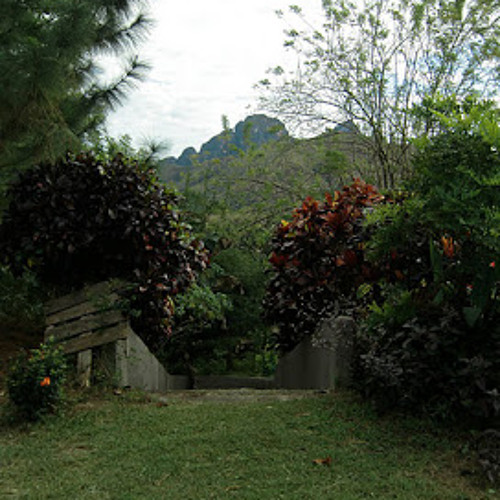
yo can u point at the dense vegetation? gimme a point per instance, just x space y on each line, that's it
421 276
437 325
411 251
81 220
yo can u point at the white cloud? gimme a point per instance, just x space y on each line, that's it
206 57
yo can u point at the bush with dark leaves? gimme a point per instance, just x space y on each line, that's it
318 262
433 363
81 220
488 450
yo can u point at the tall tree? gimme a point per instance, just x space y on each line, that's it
374 61
51 87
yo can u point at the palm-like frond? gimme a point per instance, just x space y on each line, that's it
115 36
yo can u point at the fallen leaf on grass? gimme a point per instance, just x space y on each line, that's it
323 461
304 414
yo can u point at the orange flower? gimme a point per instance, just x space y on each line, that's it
399 275
448 246
45 382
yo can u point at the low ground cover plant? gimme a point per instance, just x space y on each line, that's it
35 381
235 444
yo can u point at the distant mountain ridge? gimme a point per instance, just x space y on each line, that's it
253 131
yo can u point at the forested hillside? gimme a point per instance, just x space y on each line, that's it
327 160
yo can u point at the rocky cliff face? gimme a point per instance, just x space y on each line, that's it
254 131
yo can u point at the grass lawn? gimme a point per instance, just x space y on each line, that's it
215 445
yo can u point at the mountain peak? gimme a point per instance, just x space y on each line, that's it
254 131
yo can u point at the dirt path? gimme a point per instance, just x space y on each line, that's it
234 395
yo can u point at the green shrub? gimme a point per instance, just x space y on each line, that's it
21 301
81 220
242 278
432 339
318 262
198 330
35 381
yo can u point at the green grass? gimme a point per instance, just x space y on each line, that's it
129 447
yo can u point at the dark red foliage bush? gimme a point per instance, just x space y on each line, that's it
318 261
81 220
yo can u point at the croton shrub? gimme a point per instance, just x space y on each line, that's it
318 261
81 220
422 284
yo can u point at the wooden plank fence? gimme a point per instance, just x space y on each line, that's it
89 321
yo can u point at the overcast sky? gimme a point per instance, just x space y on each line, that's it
206 56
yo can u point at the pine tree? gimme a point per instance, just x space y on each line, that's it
50 90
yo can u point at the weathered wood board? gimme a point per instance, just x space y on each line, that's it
90 319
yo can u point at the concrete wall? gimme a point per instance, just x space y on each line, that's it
322 361
114 351
138 368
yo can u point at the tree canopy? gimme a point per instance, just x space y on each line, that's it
51 86
375 61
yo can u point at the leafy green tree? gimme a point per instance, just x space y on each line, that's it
434 322
371 62
51 91
199 332
105 148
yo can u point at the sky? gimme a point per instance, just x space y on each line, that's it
206 57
